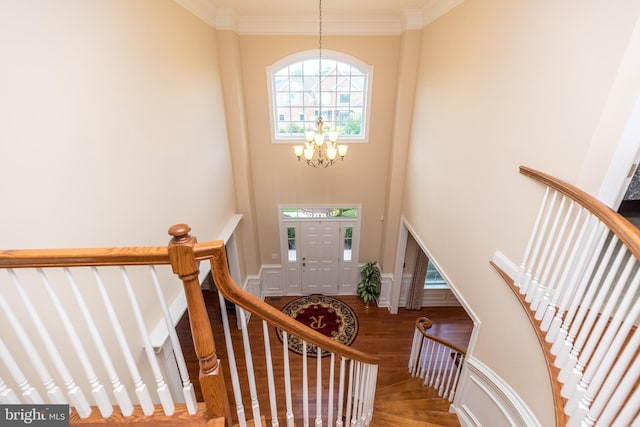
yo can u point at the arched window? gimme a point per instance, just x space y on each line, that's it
296 84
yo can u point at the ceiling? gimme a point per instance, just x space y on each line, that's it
301 16
310 7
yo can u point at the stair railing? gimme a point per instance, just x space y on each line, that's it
435 360
579 282
100 303
344 384
79 326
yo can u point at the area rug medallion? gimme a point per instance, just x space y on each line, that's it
329 316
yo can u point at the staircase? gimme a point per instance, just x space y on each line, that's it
409 403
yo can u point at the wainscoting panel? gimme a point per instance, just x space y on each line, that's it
271 277
483 399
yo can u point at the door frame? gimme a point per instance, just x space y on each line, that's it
346 268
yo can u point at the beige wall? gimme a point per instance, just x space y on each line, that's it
279 178
112 129
112 124
501 84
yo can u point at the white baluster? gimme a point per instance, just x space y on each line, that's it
141 390
570 277
339 422
577 326
118 389
520 280
8 396
29 393
549 257
456 378
75 394
97 389
330 396
608 355
287 380
563 267
350 392
318 387
356 393
305 386
440 368
587 328
613 396
54 393
535 263
631 408
429 350
270 381
255 405
446 377
578 283
164 394
233 367
414 350
187 388
600 342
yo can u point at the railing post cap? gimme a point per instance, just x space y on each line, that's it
179 231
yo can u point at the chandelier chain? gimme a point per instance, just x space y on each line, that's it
320 58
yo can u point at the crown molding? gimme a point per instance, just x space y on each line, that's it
228 19
434 9
203 9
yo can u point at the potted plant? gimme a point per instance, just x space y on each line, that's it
369 286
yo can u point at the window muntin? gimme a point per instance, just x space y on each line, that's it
295 85
315 212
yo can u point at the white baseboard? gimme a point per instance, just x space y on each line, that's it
484 399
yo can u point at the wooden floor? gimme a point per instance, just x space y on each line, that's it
386 335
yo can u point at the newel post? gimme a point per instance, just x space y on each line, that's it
184 264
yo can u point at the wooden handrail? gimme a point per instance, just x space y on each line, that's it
215 251
420 325
625 231
83 257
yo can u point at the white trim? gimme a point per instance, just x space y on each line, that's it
410 18
330 55
178 306
434 9
623 102
484 396
159 334
271 281
203 9
505 264
231 226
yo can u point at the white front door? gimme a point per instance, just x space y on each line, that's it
320 256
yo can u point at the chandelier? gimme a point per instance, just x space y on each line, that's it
320 150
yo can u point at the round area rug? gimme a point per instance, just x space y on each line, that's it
329 316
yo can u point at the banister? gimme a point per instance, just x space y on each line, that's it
625 231
232 292
83 257
420 325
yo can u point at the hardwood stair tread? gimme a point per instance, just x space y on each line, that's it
180 417
418 405
393 420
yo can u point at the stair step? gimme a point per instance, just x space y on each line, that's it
407 384
426 392
393 420
413 406
250 423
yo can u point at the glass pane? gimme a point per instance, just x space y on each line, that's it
348 239
291 244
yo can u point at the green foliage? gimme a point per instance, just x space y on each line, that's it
369 286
